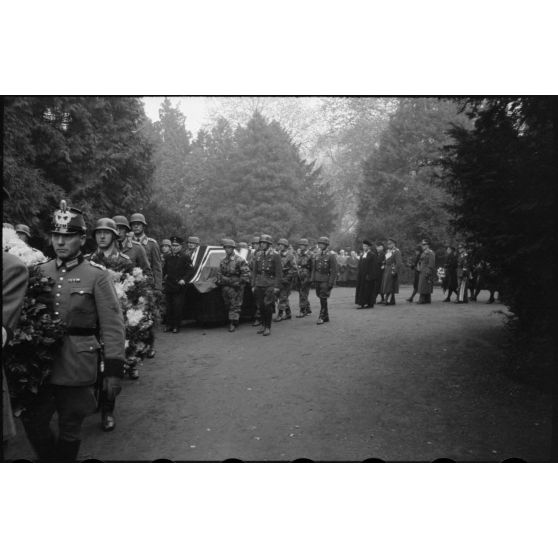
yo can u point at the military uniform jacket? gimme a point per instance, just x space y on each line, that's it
233 271
305 263
325 268
288 266
113 259
84 299
463 265
154 257
176 268
137 254
267 270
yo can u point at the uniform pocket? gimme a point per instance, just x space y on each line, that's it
85 343
82 312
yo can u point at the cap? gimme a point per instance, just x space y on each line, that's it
68 220
228 242
283 241
166 242
23 229
266 238
176 239
138 218
106 224
193 239
303 242
323 240
121 221
367 242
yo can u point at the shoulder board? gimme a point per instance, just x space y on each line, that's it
136 242
98 266
151 239
124 256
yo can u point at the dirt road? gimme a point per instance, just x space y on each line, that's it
400 383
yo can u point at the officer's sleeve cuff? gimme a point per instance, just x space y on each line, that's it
114 367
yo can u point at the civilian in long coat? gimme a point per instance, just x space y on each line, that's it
414 265
379 268
366 285
427 273
392 270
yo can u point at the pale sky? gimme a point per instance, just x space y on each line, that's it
194 108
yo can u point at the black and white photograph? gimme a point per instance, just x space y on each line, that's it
277 278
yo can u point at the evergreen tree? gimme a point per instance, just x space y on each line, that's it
399 195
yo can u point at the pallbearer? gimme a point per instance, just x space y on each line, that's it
266 281
304 277
233 274
323 276
288 272
176 272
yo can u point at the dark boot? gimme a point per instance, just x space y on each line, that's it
232 326
67 451
279 316
287 314
392 300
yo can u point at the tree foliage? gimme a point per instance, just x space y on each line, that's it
502 176
88 150
399 195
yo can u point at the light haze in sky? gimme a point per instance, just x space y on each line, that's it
194 108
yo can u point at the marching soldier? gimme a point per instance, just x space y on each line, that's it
165 249
86 301
323 276
134 250
176 272
288 272
266 281
251 257
138 224
427 272
304 264
108 255
233 274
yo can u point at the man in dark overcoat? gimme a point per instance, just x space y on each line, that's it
366 289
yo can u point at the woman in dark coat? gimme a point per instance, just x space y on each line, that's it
392 270
365 293
449 283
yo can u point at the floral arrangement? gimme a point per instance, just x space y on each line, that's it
29 354
139 305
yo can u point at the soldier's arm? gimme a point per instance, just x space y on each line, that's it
278 271
156 266
111 325
143 260
332 270
14 286
187 269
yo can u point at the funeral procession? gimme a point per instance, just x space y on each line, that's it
201 279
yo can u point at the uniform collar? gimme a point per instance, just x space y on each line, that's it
70 264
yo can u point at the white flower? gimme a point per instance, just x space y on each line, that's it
137 273
126 344
134 317
120 291
14 245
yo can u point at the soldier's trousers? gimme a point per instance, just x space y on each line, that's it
265 300
72 404
175 305
323 291
283 304
462 295
233 297
303 302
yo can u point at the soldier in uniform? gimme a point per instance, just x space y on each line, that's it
108 255
251 257
24 233
304 264
463 274
134 250
288 273
176 272
86 301
266 281
393 266
192 244
233 274
138 224
427 273
165 248
323 276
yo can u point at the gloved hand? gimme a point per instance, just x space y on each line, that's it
111 386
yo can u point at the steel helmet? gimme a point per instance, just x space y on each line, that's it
121 221
106 224
284 242
193 240
323 240
255 240
23 229
228 242
138 218
266 238
166 242
243 245
303 242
